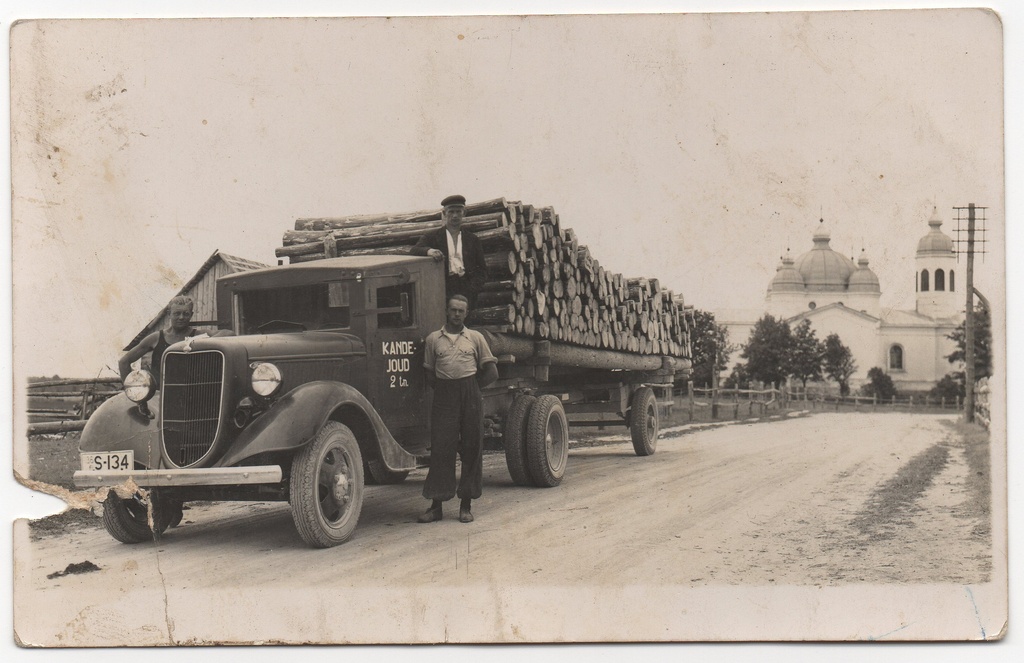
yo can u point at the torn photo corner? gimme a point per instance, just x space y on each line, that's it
735 271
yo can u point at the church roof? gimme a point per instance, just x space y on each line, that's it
810 313
823 269
787 278
907 318
935 242
863 279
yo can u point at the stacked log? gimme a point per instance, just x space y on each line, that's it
541 282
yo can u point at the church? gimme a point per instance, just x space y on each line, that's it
841 296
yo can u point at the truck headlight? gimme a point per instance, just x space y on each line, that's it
139 386
266 379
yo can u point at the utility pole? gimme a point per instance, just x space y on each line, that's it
972 219
969 321
714 384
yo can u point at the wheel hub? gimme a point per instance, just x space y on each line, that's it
339 487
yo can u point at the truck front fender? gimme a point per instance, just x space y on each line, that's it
119 425
297 416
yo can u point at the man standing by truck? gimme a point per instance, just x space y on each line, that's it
463 255
458 364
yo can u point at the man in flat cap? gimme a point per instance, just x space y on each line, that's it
463 255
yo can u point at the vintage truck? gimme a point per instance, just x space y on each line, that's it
321 389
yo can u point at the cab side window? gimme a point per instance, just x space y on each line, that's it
396 306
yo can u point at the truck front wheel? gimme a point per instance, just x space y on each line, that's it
127 520
326 491
643 421
547 442
514 439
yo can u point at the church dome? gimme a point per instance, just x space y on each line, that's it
936 241
787 279
823 269
863 279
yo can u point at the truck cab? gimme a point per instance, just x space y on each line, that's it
319 389
388 303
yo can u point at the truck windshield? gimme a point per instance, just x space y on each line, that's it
315 306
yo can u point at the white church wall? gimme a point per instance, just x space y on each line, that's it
924 352
858 333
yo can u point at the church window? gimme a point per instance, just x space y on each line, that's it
924 280
896 358
940 280
952 281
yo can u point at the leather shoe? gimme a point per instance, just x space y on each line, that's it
465 515
431 515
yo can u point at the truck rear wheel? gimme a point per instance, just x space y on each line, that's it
547 442
326 490
127 520
643 421
514 439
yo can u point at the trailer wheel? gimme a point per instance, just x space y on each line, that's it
377 474
127 520
547 442
326 490
643 421
514 439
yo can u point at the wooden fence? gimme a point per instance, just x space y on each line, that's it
718 404
745 403
982 413
874 403
61 406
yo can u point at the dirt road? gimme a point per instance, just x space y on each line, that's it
808 502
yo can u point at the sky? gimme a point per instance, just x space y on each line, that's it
99 249
692 148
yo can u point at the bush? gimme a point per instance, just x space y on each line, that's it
879 384
950 387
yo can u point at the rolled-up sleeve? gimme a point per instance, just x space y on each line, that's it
483 351
428 353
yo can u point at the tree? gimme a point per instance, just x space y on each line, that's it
950 387
738 378
982 343
709 340
838 363
768 350
879 384
806 354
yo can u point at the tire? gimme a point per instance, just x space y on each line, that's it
127 520
514 439
175 513
547 442
643 421
377 474
326 491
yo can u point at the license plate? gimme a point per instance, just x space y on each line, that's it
108 461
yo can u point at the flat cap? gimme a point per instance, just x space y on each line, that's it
453 200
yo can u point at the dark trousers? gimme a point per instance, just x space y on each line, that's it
460 285
456 427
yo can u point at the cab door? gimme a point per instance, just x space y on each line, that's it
395 355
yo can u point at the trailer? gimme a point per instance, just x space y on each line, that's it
321 390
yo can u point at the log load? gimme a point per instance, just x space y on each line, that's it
542 283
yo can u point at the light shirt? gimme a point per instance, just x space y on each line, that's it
455 264
456 356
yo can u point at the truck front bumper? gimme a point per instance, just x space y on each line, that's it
205 476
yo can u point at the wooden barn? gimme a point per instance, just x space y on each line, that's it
202 287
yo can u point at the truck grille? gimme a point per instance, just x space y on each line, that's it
191 403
